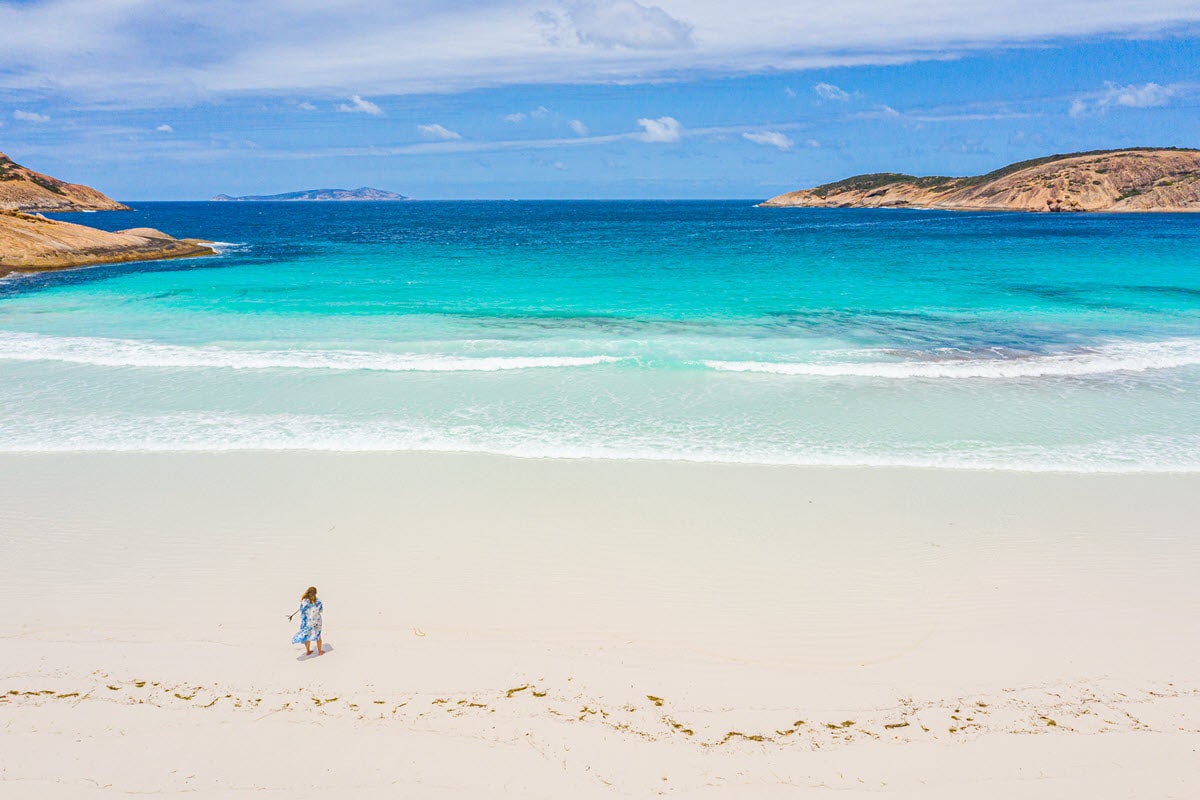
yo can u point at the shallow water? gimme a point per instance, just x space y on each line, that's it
710 331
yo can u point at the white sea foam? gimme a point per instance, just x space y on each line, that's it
132 353
219 432
229 247
1115 357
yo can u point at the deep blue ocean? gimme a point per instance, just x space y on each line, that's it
709 331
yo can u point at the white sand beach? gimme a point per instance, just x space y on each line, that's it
558 628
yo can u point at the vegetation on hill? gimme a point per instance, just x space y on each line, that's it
1129 179
23 189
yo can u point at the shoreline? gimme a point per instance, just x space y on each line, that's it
33 243
614 459
591 627
981 209
10 272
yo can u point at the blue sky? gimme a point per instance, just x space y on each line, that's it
184 99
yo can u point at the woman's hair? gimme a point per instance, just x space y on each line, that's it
310 594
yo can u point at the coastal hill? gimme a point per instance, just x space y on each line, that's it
31 242
320 195
22 189
1133 179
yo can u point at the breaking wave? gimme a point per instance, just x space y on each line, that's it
132 353
1116 357
217 432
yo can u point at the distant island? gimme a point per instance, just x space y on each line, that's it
316 195
29 242
1130 180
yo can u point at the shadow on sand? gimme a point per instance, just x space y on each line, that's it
328 648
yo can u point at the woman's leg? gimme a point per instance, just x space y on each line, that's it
320 652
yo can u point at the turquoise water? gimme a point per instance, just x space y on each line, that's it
710 331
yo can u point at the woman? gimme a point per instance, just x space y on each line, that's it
310 622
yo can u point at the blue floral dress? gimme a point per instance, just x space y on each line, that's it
310 622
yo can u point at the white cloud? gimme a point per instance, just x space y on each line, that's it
164 128
30 116
460 145
306 106
186 51
877 112
1145 95
578 128
789 91
361 106
831 92
663 129
812 144
626 24
937 115
521 116
438 133
770 138
559 165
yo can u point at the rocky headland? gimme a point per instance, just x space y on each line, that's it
30 242
1129 180
22 189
